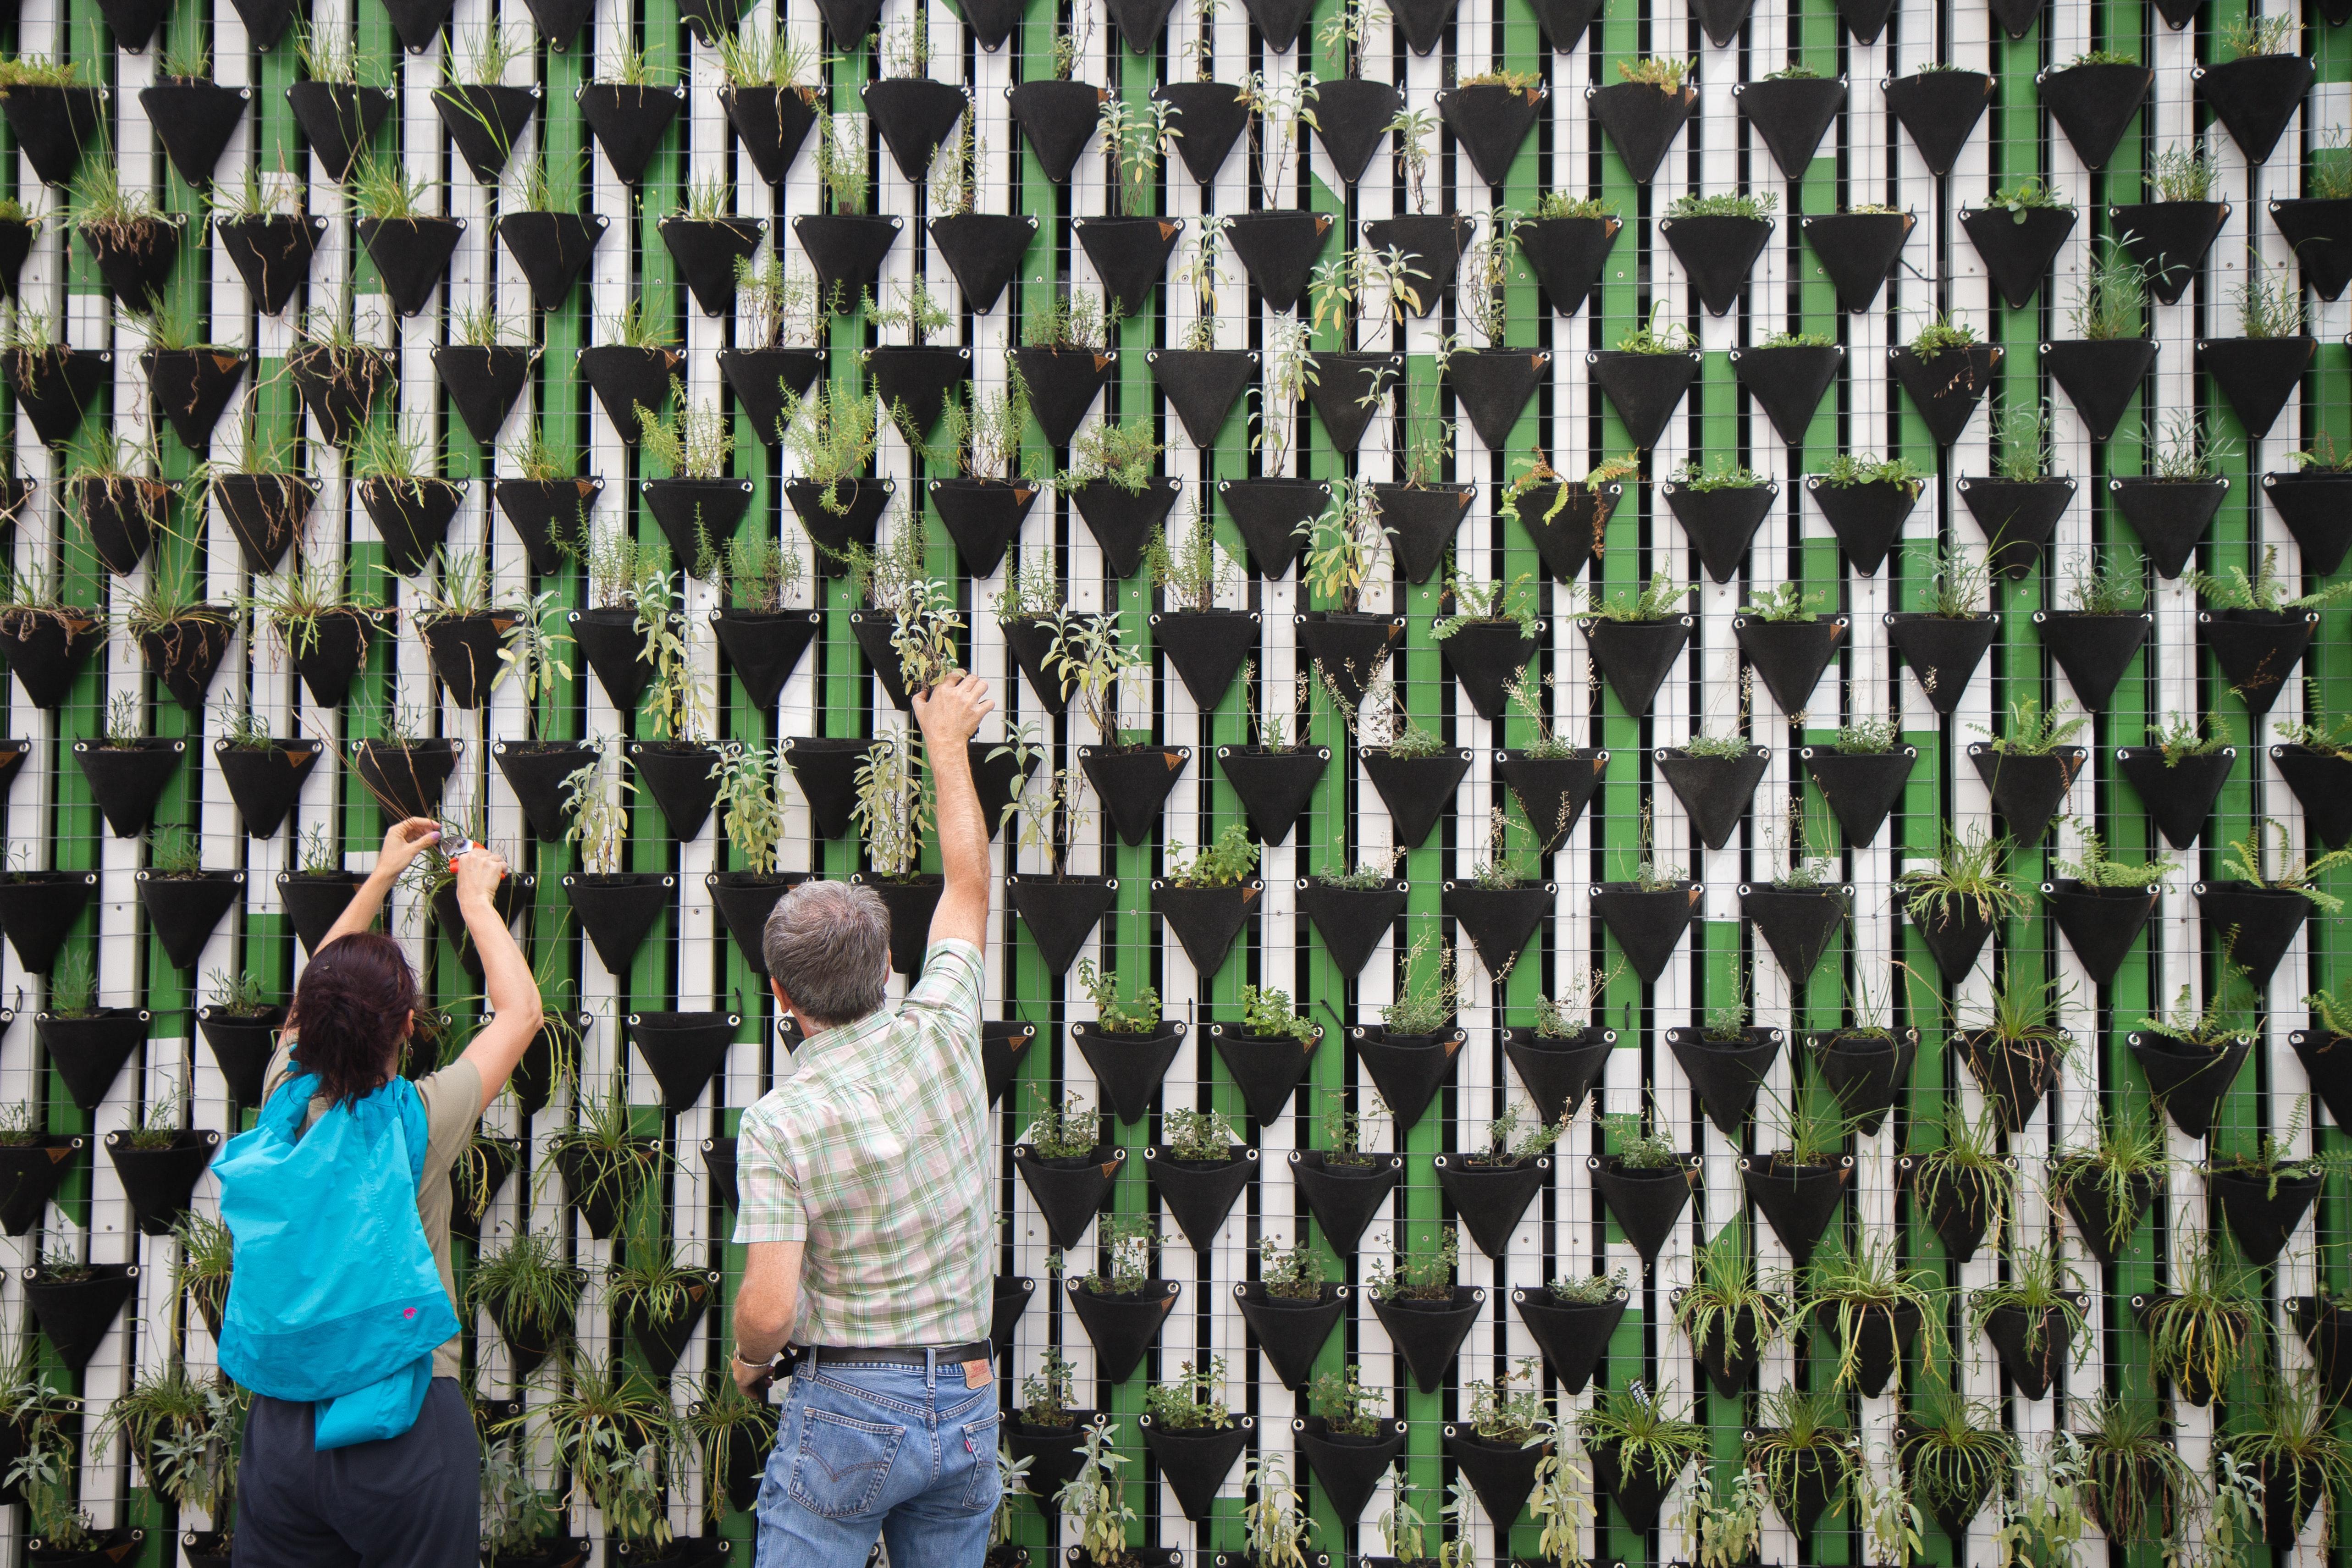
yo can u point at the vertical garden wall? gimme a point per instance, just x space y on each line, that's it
1915 513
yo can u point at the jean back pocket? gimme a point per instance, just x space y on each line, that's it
843 1463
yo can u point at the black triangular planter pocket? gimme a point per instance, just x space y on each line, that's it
1939 109
2258 650
1866 518
610 641
1063 384
1265 1067
194 120
1559 1072
1421 523
2323 787
2253 98
1635 656
2319 230
1424 22
184 911
1791 115
1942 651
2169 238
1789 655
1031 642
184 654
136 258
1565 542
1350 921
1641 121
1552 790
30 1172
1946 388
1572 1336
1280 21
2018 247
483 383
1788 383
417 22
2093 103
2178 795
338 120
1721 524
915 383
1429 1334
2326 1333
272 254
1417 790
706 251
535 771
1881 1334
484 122
2031 1353
2170 516
1202 385
552 249
847 252
2015 1075
1715 791
1865 1073
338 640
628 122
1343 393
1796 924
2100 377
2253 926
1498 920
1199 1192
1432 244
765 646
1954 940
2026 790
1644 1204
1274 786
2188 1080
618 910
1211 115
1639 1494
1277 249
1060 912
265 781
1195 1464
771 122
160 1183
127 781
1291 1333
2018 518
2102 925
1271 516
1343 1198
1861 787
825 768
1001 1044
1719 252
2263 1221
663 1345
266 21
2317 510
914 114
1352 120
697 516
412 516
1206 920
88 1052
746 899
1057 120
122 515
2326 1061
1348 1468
264 512
1491 1199
1207 648
1491 122
1133 786
1798 1200
2093 651
1567 254
678 777
1484 656
1503 1474
984 517
1068 1191
683 1050
1494 386
78 1314
1644 389
314 901
862 502
1647 923
1349 650
1726 1075
1857 250
984 251
36 909
1128 1068
337 385
1408 1070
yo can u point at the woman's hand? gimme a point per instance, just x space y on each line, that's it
478 871
404 842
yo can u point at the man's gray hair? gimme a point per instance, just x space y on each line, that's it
828 945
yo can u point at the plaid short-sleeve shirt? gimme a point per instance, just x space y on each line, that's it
875 1154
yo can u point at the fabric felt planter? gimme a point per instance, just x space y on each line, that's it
241 1045
1641 121
1857 250
2017 248
745 900
1791 656
2032 1346
1349 650
314 901
1864 1072
1565 255
1199 1192
182 911
1274 786
1266 1067
1068 1191
1491 1198
2093 651
1787 382
264 512
1729 1348
2106 1221
1881 1335
1060 912
1861 787
1498 920
1726 1074
1133 784
1717 253
1291 1332
2317 510
2027 788
2171 239
2261 1217
1635 656
1206 920
89 1049
2188 1081
1644 389
127 781
1207 648
2102 925
2178 794
30 1173
1128 1064
2017 517
2321 784
1639 1491
76 1314
1195 1463
1648 922
1559 1072
1646 1203
1343 1196
2016 1074
1553 791
1350 921
685 1051
1939 110
1202 385
679 779
1572 1336
1868 518
1720 523
1348 1468
2315 226
1269 512
1433 242
1797 925
1122 1326
1215 113
1503 1474
161 1183
1351 117
2100 377
2170 516
1791 115
1417 790
1799 1200
1346 393
1716 791
1429 1334
48 648
1278 250
911 901
2258 650
618 910
1408 1070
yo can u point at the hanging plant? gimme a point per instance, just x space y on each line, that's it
1728 1315
1954 1452
2136 1484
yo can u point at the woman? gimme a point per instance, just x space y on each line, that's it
410 1500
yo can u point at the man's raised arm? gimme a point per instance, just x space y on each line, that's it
949 715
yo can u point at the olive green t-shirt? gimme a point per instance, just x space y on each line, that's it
453 1106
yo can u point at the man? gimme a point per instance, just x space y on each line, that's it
866 1209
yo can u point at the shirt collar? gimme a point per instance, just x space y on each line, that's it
870 1026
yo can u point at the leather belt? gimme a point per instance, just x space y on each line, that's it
916 1356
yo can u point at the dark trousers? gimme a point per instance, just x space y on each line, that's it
410 1501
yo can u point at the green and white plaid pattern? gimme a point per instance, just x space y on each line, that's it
875 1153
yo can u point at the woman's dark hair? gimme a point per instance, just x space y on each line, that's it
350 1014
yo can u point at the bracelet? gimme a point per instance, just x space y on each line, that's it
737 1357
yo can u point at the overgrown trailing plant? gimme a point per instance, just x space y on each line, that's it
1632 1424
1954 1449
1965 1169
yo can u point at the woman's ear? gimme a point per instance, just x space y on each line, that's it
409 1028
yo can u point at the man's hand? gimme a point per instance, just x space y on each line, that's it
404 842
753 1380
478 871
950 712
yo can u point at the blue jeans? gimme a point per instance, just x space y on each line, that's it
891 1451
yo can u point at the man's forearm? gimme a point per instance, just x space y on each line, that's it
962 826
